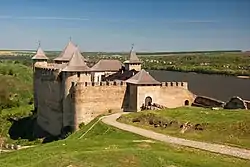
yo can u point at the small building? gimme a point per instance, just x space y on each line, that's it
104 68
144 90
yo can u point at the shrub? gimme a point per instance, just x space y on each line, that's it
81 125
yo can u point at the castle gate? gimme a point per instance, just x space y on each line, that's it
148 101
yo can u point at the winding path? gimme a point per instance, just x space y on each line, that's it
217 148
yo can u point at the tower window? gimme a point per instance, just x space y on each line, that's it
78 75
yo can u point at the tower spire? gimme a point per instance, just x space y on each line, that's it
39 43
132 46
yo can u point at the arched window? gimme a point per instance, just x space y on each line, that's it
186 103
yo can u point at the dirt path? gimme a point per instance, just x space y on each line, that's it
217 148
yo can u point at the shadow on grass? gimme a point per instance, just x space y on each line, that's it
22 128
27 128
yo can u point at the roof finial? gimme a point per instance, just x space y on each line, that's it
39 43
132 47
70 38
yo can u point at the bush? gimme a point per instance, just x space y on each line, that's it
81 125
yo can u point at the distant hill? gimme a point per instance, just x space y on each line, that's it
4 52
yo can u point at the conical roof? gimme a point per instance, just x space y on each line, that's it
40 55
143 78
67 52
133 57
77 63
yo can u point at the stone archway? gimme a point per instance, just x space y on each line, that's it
186 103
148 101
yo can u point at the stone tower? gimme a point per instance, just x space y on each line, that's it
76 71
38 60
134 62
139 87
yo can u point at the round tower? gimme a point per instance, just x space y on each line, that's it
38 60
75 71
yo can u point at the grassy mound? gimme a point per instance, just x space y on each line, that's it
15 85
108 146
230 127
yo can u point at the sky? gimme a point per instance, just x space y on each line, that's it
114 25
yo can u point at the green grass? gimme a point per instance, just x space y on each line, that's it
229 127
108 146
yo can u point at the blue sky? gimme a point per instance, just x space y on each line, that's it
113 25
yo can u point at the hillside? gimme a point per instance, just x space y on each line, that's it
108 146
229 127
15 85
206 63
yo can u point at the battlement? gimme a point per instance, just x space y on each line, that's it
105 83
48 66
175 84
123 83
46 74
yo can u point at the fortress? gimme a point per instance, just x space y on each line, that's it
67 92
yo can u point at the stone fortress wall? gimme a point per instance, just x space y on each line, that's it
90 99
63 100
65 94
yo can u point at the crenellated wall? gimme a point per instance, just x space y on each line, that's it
92 99
175 84
169 94
65 99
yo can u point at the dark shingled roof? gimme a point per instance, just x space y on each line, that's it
107 65
76 63
143 78
120 75
40 55
67 53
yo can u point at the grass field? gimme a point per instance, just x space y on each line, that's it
229 127
108 146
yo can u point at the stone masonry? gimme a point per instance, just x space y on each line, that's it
66 94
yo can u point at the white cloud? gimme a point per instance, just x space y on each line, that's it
43 18
106 20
